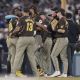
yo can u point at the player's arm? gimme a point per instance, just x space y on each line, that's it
19 26
41 26
63 27
61 31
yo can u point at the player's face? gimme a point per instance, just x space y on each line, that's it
43 17
32 12
25 13
18 13
59 15
54 14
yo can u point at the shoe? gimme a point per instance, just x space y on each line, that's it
11 75
55 74
45 75
63 75
41 72
20 74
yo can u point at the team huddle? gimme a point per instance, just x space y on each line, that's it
43 36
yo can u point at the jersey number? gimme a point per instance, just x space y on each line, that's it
29 26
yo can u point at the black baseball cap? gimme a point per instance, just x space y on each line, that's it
56 9
62 11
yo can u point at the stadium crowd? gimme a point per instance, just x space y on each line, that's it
44 32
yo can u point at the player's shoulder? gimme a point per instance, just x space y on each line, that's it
37 18
13 20
29 19
24 17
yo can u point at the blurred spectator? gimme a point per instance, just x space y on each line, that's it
56 3
45 4
73 38
2 42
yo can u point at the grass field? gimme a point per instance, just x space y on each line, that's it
39 78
